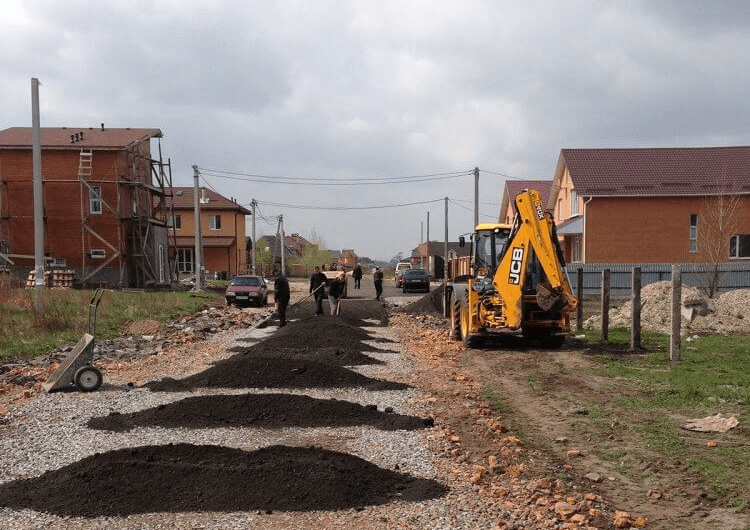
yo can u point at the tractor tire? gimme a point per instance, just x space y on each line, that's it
455 313
465 333
88 378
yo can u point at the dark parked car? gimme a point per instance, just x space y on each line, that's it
415 280
247 290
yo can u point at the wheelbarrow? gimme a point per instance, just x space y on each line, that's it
76 369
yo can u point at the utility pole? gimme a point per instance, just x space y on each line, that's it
283 261
445 264
198 236
252 254
476 196
428 242
421 242
36 147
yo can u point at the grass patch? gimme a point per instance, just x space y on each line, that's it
66 314
495 400
712 376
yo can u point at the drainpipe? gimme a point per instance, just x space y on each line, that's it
583 243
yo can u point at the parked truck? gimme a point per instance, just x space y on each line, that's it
514 281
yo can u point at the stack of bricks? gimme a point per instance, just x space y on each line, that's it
62 279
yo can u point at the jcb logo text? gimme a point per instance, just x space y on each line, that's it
516 259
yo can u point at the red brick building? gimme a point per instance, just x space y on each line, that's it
222 231
104 198
661 205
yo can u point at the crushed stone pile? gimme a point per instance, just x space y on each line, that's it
728 313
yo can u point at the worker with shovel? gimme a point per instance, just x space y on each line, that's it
336 292
317 289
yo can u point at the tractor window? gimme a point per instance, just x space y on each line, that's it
483 254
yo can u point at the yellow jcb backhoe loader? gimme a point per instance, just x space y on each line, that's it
516 282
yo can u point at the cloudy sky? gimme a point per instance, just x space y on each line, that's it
354 119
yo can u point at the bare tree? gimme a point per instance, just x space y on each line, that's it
716 224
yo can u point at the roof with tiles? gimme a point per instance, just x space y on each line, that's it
76 137
657 171
183 198
514 187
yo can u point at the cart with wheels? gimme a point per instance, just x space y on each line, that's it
76 369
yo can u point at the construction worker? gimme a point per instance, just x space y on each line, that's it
335 292
377 279
281 296
317 288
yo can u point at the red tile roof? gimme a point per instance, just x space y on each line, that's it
658 171
76 137
514 187
183 198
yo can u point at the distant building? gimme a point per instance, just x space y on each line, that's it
222 231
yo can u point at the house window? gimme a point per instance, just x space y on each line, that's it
175 221
693 232
95 199
184 260
98 253
559 209
573 203
214 222
739 246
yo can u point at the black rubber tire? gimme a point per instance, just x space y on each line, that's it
88 378
455 331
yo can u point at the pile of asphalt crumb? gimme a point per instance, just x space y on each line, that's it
273 411
201 478
331 355
241 371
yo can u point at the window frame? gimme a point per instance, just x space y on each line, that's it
184 260
693 234
573 203
214 222
95 200
736 245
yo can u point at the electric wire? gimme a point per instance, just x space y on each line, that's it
331 181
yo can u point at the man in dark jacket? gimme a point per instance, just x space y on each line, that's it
335 292
357 275
281 296
317 287
377 279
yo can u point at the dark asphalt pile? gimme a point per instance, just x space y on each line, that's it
271 411
204 478
296 356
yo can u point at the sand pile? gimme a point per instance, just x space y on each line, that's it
728 313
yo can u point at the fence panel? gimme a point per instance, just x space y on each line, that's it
731 275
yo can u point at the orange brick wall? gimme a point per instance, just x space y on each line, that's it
63 202
645 229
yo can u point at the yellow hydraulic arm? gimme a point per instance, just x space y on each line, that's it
532 228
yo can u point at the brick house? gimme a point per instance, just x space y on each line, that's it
222 232
104 196
348 258
654 205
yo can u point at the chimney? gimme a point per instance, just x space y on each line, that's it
102 126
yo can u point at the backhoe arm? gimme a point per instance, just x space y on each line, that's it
532 228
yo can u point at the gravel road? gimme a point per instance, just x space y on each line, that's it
47 441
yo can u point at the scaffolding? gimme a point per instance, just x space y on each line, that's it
142 210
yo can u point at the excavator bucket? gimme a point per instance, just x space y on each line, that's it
548 299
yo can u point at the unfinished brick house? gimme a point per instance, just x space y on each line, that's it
222 231
104 204
660 205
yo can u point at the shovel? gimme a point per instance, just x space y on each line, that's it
298 302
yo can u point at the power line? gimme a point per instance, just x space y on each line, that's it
342 208
332 181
